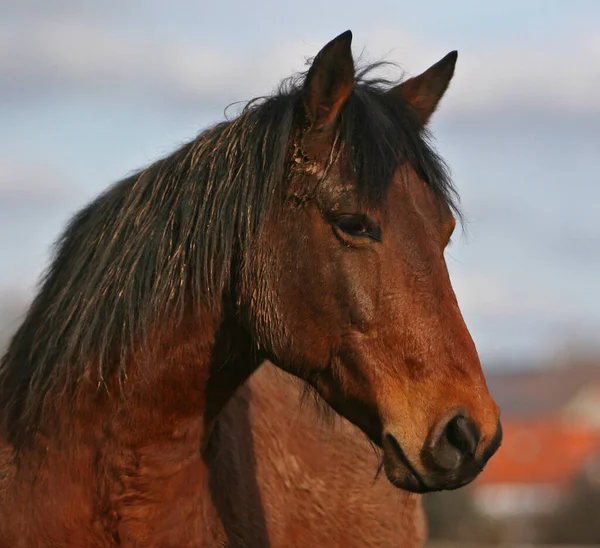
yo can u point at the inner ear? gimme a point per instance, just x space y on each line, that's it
425 91
329 82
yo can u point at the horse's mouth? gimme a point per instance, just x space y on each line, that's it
399 470
402 474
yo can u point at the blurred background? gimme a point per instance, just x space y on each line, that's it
90 91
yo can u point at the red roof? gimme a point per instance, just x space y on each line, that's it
546 450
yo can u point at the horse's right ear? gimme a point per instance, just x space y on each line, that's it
425 91
329 82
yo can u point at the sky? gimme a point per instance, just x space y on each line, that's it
91 91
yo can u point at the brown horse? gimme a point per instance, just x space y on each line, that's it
300 470
309 231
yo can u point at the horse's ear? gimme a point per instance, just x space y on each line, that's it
329 82
424 92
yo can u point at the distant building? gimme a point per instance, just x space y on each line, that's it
535 466
551 422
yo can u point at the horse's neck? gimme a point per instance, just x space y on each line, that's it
133 463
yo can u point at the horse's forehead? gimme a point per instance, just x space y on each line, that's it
408 192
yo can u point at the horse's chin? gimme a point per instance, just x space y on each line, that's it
405 480
408 481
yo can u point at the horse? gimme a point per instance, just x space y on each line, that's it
308 231
290 478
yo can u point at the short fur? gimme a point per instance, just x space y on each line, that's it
309 231
170 234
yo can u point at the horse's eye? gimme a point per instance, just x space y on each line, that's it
358 226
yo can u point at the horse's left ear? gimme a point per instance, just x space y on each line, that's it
329 82
425 91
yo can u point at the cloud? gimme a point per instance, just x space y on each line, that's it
39 9
79 54
13 304
560 76
486 296
65 56
28 182
519 78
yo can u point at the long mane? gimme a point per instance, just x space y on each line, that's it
175 232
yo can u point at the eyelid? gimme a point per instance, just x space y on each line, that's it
372 232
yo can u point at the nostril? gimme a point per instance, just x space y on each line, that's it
463 434
455 445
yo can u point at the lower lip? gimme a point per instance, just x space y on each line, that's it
409 482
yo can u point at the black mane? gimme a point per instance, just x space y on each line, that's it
172 233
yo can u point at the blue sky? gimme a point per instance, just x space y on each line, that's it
91 90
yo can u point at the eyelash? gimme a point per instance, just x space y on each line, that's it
357 226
